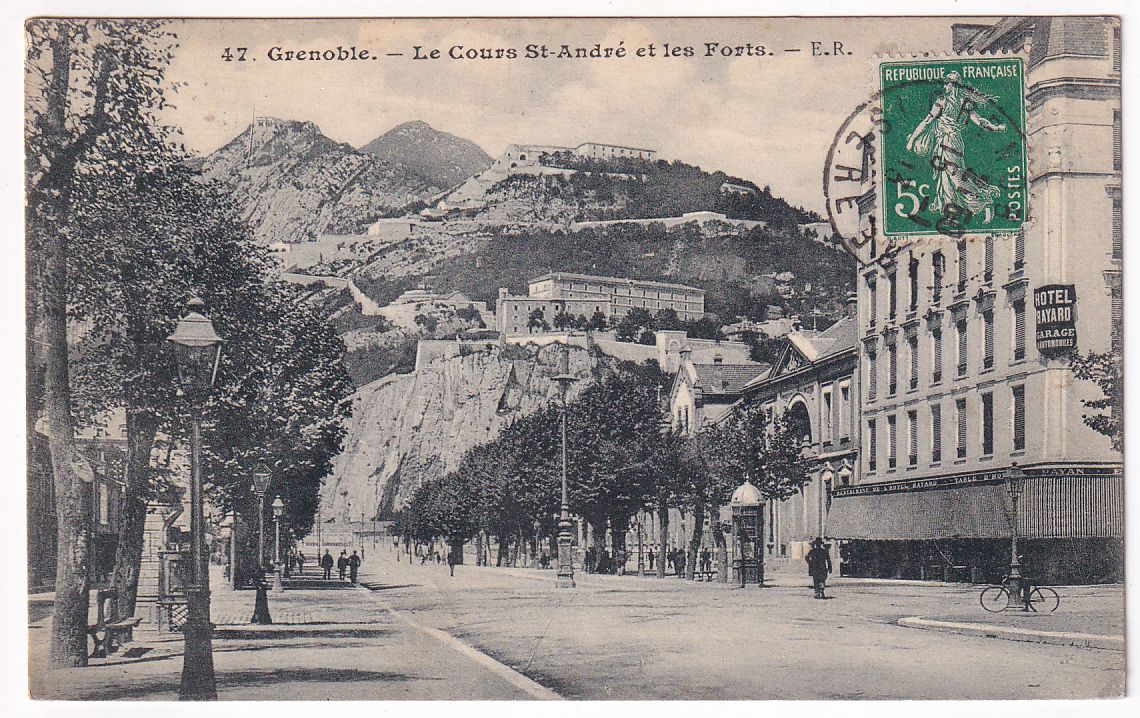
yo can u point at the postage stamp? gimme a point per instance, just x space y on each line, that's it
953 145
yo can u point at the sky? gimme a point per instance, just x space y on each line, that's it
768 119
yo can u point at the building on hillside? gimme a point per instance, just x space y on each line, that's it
955 391
599 151
735 188
704 392
814 385
773 327
583 294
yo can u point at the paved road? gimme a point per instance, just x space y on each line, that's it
629 638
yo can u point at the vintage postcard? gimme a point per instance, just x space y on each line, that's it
527 359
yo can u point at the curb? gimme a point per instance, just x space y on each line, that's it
1058 638
294 630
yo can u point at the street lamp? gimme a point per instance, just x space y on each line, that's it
278 512
261 479
746 506
565 561
640 545
197 351
1014 483
537 526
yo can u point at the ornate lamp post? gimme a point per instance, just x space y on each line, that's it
1014 478
640 546
565 560
278 512
261 479
197 351
747 503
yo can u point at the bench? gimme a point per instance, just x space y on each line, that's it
110 631
704 575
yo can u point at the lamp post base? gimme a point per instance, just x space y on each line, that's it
565 559
261 615
198 655
278 584
1014 601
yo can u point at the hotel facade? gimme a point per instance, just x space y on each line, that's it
963 371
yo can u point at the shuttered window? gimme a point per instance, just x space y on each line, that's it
912 438
987 423
912 275
912 344
960 326
960 410
1117 317
872 374
872 445
1117 229
1117 149
874 303
1116 55
892 369
892 442
935 433
936 358
1019 418
961 265
989 276
1019 250
892 298
939 262
1019 330
988 323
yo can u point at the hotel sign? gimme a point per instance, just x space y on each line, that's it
1055 306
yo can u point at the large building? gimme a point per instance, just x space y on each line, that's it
584 294
961 377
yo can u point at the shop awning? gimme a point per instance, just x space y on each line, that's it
1050 507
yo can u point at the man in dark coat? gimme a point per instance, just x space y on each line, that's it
353 566
327 564
819 565
342 564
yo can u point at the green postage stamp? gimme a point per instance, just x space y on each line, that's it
953 145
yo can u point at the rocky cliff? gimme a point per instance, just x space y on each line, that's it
411 428
440 158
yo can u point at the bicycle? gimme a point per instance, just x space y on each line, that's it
1039 599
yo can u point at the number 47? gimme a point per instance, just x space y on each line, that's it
921 191
230 57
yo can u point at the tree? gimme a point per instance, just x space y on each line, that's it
1106 371
629 327
667 319
564 321
597 321
537 320
95 88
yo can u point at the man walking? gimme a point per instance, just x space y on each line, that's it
353 566
327 564
300 564
651 557
819 565
453 558
342 564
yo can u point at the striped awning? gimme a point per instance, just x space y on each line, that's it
1070 506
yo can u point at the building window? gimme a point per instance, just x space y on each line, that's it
892 442
961 266
912 275
874 303
1116 49
872 374
892 370
1117 229
1117 152
912 346
988 322
892 298
1018 329
935 433
960 327
825 418
1117 316
1018 251
936 348
872 444
960 411
939 261
912 438
844 408
989 275
987 423
1019 418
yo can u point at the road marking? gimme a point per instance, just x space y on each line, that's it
532 688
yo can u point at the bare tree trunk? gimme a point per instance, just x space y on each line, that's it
141 429
721 553
598 538
693 550
620 527
662 535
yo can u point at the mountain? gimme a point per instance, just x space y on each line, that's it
293 183
439 158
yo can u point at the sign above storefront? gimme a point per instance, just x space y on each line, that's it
1055 307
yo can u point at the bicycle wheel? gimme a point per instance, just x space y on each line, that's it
1043 599
994 599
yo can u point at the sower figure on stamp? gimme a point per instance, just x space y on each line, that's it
940 136
819 565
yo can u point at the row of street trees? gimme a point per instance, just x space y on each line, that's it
621 461
120 233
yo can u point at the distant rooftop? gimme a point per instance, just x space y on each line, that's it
613 280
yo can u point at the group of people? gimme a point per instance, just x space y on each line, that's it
344 564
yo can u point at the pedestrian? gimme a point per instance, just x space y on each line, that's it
327 564
300 564
438 558
681 557
819 565
342 564
706 560
591 559
453 557
353 566
651 557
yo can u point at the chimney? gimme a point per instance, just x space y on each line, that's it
852 304
796 324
